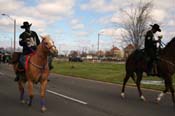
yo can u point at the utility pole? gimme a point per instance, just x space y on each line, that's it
14 21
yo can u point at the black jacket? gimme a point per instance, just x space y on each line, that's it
29 41
150 41
150 44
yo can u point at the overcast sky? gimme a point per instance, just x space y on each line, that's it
74 24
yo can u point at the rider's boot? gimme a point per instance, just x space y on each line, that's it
17 73
155 70
17 77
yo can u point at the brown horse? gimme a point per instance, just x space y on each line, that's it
37 70
136 65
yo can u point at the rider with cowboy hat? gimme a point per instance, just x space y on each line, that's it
151 47
29 41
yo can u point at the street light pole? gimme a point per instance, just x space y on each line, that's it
98 42
14 35
14 21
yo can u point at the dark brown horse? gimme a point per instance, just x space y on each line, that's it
37 70
136 65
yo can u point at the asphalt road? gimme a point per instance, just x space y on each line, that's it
68 96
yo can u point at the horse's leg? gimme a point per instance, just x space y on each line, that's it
30 89
139 78
42 95
132 76
164 92
172 92
124 83
21 89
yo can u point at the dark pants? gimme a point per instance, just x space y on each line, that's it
22 60
151 54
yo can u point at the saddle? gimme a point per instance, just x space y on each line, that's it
152 62
22 60
141 55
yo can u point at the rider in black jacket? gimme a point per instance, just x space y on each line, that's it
151 47
29 41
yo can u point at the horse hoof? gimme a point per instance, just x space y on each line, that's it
43 109
158 99
122 95
142 98
23 102
29 104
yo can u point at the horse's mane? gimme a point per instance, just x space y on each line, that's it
45 36
168 50
172 41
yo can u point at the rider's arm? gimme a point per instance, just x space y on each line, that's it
21 41
148 38
37 38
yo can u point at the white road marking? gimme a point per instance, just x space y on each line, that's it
152 82
64 96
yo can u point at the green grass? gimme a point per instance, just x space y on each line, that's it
106 72
96 71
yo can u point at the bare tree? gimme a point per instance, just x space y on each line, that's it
136 23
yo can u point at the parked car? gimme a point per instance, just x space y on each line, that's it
1 57
6 58
75 59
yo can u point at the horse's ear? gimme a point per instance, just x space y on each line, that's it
42 37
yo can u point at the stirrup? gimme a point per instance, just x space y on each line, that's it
16 78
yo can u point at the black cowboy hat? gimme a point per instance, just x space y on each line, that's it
156 26
25 25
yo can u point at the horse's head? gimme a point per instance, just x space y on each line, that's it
171 43
49 45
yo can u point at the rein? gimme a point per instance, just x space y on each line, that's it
43 44
45 65
38 66
169 62
163 59
41 68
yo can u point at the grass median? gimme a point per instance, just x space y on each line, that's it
106 72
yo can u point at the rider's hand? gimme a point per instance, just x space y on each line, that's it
160 37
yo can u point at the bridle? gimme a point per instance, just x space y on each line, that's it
45 45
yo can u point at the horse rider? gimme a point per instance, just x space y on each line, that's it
151 49
29 41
